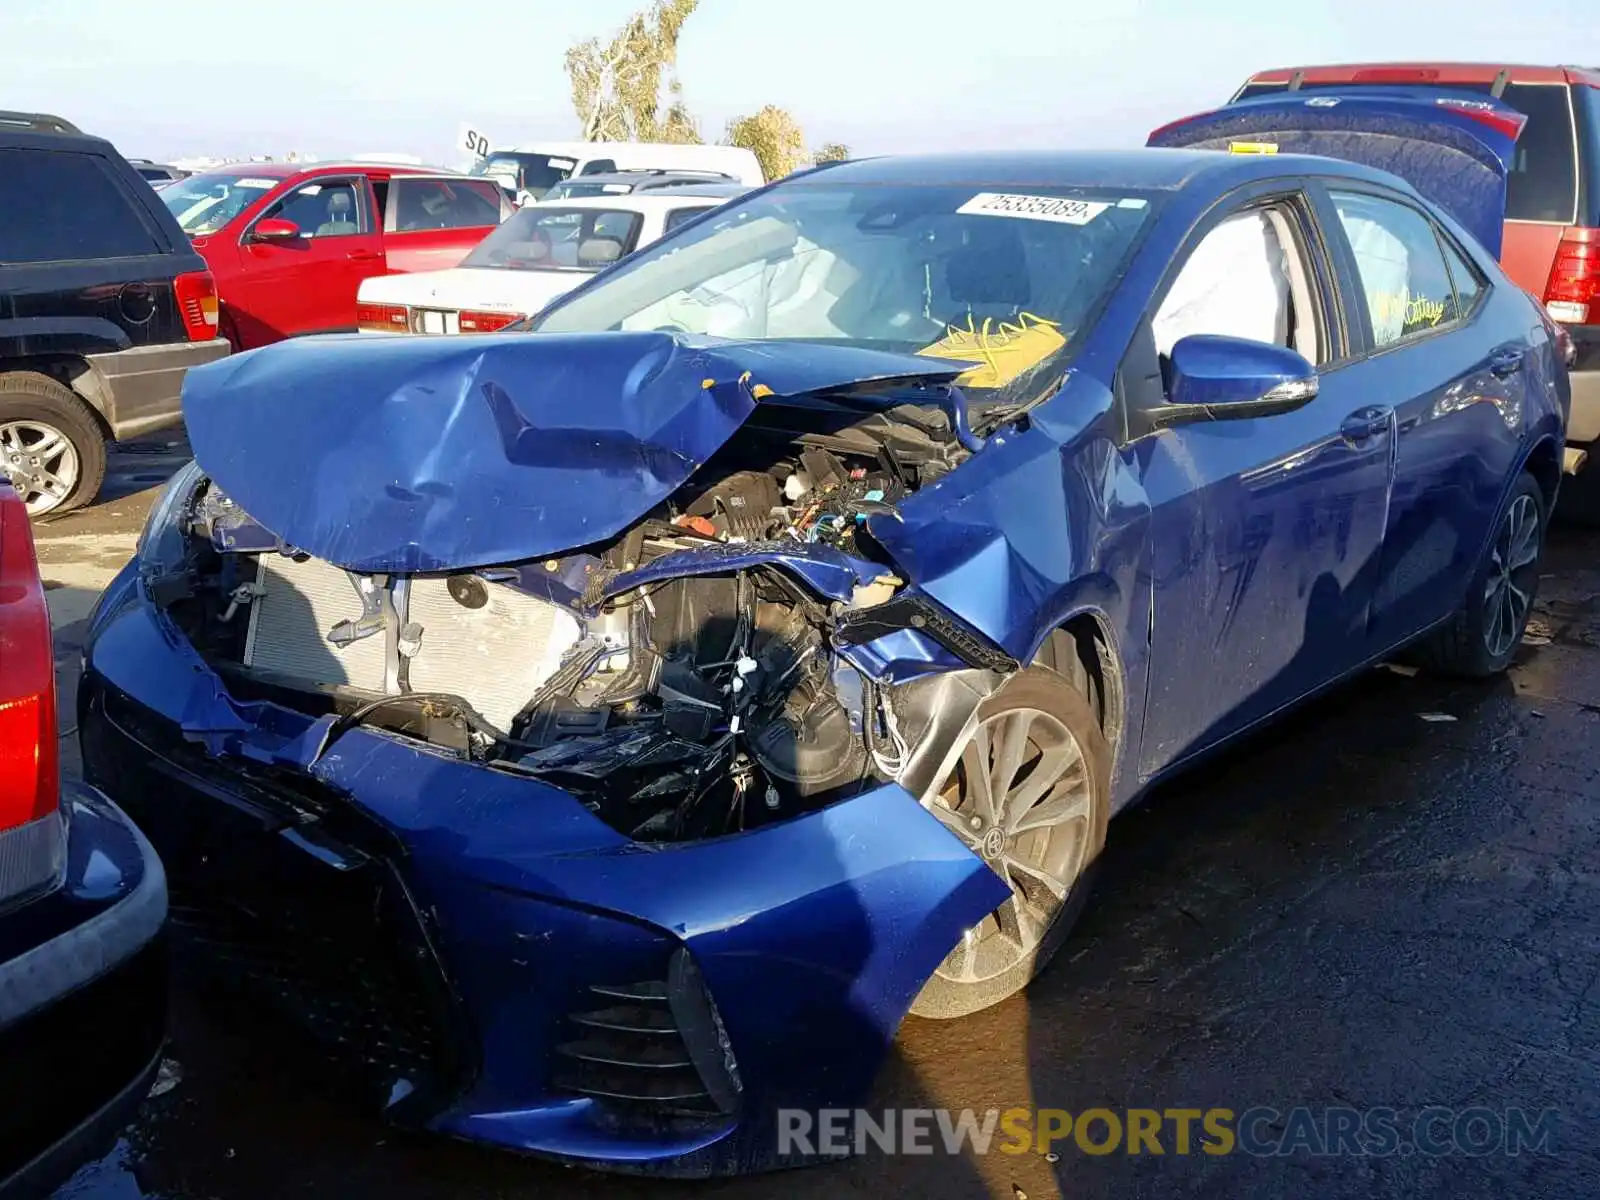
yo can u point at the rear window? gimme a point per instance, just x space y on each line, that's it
1543 183
540 238
59 206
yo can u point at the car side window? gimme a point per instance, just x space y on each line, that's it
679 215
325 208
1468 280
1405 284
1249 277
443 204
599 166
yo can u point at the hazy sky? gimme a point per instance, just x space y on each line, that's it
165 79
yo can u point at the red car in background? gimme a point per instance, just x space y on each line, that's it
1552 231
289 244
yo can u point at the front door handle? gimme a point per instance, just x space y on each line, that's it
1366 423
1505 361
364 256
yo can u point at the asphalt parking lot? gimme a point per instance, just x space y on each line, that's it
1387 901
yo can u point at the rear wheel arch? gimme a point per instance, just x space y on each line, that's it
1544 464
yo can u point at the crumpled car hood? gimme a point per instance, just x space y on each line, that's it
434 454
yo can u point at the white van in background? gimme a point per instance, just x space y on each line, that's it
528 171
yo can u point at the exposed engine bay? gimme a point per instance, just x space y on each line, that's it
676 679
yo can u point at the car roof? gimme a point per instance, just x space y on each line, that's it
283 170
1134 170
1464 72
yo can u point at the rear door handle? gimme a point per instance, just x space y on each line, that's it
363 256
1366 423
1505 361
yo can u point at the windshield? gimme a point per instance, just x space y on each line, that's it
533 173
205 203
1005 281
540 238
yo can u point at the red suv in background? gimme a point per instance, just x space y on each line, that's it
289 244
1552 234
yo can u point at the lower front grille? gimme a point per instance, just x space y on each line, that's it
630 1053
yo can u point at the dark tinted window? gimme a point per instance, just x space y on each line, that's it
599 166
56 205
1544 175
1261 89
679 215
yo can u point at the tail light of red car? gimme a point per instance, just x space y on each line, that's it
197 302
383 318
1573 293
487 322
30 759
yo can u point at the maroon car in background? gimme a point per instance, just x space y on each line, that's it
289 244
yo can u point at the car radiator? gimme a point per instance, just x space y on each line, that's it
493 651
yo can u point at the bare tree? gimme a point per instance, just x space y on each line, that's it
618 88
774 137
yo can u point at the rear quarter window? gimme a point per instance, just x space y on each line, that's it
1543 185
61 206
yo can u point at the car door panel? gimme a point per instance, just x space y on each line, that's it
1264 538
432 223
1264 534
307 284
1451 366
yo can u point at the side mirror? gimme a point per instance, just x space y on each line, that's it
274 229
1217 378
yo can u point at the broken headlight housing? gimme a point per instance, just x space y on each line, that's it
162 544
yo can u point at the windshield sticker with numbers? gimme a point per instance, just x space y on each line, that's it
1034 208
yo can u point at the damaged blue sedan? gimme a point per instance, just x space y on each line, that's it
606 735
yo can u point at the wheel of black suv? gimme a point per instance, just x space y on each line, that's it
51 448
1030 794
1481 638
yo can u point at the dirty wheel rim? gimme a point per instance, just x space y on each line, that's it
1021 797
1508 591
40 461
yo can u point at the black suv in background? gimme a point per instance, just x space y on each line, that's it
103 307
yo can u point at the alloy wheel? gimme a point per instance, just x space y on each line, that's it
1020 796
1513 564
41 462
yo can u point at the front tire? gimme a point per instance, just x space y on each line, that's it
51 447
1483 636
1029 792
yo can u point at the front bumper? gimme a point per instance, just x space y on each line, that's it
139 390
83 1005
523 974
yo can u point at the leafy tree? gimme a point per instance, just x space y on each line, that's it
831 152
774 137
618 88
